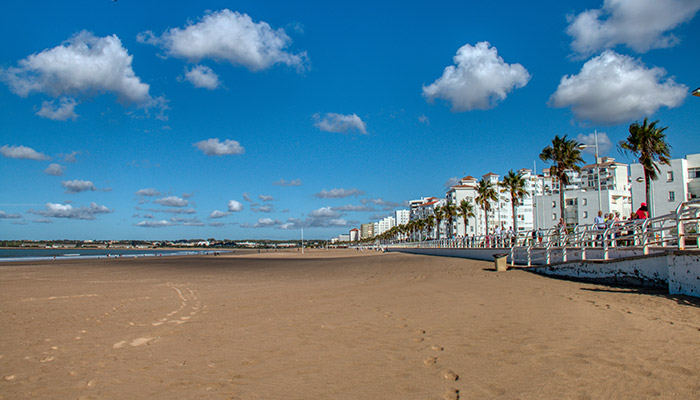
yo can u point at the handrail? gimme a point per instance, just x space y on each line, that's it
678 229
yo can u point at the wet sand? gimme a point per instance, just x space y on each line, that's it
335 325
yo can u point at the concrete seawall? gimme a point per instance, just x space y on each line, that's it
678 271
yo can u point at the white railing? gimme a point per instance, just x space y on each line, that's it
677 230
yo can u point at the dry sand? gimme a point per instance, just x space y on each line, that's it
335 325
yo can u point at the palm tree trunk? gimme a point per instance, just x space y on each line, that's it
647 186
486 222
562 204
515 216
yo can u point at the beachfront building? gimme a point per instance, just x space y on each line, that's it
402 217
465 189
366 231
585 198
676 183
416 207
354 234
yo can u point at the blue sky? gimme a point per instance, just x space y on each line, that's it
253 119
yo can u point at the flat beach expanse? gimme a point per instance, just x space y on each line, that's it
336 324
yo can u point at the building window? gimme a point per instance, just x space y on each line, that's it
693 173
554 204
554 216
585 214
669 176
585 202
671 196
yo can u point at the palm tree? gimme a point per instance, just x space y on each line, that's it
486 194
439 215
514 184
648 143
565 156
450 212
420 226
429 224
465 209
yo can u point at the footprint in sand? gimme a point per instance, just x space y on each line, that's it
451 394
450 375
141 341
430 361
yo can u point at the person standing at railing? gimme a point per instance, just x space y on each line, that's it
642 212
599 224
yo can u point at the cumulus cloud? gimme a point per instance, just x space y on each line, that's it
148 192
264 197
83 65
201 76
77 186
423 119
247 198
215 147
57 210
604 143
155 224
267 208
174 210
638 24
187 221
219 214
235 206
384 203
22 152
63 111
228 36
282 182
172 201
4 215
613 88
478 80
266 222
71 157
54 169
332 122
338 193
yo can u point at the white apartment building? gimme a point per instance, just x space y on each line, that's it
354 234
676 183
384 225
583 200
402 217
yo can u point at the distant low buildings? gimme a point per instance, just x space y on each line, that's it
676 183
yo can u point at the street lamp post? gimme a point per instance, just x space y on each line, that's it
597 167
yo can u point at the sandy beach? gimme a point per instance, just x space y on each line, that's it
335 325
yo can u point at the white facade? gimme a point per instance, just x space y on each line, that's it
581 206
675 184
354 235
402 217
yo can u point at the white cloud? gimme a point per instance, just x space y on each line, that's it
264 208
172 201
451 182
63 111
57 210
219 214
228 36
384 203
263 197
423 119
604 143
235 206
83 65
215 147
77 186
478 80
282 182
148 192
638 24
338 193
332 122
155 224
54 169
22 152
201 76
175 210
4 215
70 157
324 212
613 88
266 222
247 198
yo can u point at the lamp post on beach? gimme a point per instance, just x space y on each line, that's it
597 166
